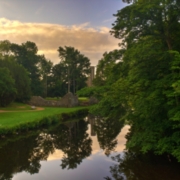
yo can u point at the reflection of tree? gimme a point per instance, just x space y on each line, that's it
132 166
25 153
107 131
16 157
73 140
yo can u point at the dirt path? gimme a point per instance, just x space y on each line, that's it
37 109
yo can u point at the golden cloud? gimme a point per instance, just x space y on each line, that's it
48 37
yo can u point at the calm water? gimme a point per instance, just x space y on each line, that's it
80 150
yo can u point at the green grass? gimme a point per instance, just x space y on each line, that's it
21 116
53 98
83 99
16 107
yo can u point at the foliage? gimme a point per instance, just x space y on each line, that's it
20 77
45 67
70 74
57 81
107 69
144 91
92 91
26 55
7 87
75 68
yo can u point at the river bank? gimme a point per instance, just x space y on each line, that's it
18 118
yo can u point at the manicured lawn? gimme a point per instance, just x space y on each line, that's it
82 99
16 107
53 98
25 114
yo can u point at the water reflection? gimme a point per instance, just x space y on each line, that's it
80 154
74 141
107 131
25 153
133 166
17 156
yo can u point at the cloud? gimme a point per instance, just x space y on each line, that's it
92 42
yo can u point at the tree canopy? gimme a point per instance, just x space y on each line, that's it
76 68
20 77
7 87
144 90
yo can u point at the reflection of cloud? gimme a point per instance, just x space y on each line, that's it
58 154
121 138
48 37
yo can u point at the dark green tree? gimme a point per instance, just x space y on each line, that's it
77 67
57 81
7 87
146 93
107 68
45 67
26 55
5 48
20 77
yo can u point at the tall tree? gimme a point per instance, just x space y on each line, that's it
7 87
146 93
58 80
20 77
26 55
45 67
106 68
77 67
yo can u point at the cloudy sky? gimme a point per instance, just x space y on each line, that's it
82 24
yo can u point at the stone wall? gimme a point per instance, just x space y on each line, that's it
69 100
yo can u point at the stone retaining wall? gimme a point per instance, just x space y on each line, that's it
69 100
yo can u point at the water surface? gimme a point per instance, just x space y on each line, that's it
81 150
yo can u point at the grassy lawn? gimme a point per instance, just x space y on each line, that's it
83 99
20 113
53 98
16 107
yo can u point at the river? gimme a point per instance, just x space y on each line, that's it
87 149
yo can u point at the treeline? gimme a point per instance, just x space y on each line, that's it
23 72
140 83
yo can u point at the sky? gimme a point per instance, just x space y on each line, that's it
82 24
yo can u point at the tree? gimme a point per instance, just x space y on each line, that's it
146 18
5 48
7 87
45 67
146 90
106 68
57 81
20 77
77 67
26 55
